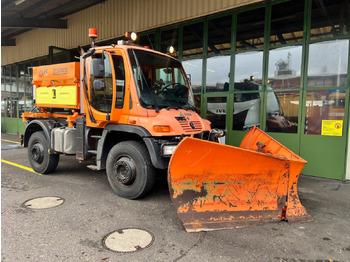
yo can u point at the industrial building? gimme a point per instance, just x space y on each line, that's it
280 65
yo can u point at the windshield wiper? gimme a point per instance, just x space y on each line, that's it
188 106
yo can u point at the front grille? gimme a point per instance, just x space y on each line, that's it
188 129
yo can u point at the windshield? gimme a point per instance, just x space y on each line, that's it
160 81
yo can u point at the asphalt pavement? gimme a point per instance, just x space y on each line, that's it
88 214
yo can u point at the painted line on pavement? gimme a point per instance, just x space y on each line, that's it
19 166
10 141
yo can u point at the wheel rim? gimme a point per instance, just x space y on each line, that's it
124 170
37 153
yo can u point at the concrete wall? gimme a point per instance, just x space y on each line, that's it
112 19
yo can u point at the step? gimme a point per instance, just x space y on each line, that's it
96 136
93 167
92 152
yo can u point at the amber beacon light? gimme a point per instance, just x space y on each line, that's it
93 35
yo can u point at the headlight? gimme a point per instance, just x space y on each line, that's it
168 150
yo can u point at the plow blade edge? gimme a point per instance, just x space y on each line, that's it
215 186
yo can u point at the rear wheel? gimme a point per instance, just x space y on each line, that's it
129 170
39 157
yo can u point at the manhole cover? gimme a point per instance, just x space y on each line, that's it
128 240
43 202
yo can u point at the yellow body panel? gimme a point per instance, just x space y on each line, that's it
57 96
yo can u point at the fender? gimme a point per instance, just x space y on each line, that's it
142 133
38 125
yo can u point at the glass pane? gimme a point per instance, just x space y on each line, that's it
218 74
60 55
192 41
3 93
44 61
250 29
28 77
2 108
197 102
193 69
5 88
248 67
282 110
216 111
170 38
13 105
21 89
35 63
147 40
246 111
102 87
324 105
14 88
119 72
219 35
285 67
328 64
329 18
287 21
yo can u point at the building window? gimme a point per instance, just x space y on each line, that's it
287 22
216 111
192 41
192 55
284 70
218 74
219 35
248 69
218 66
328 64
282 111
327 71
193 69
322 106
250 29
329 18
246 110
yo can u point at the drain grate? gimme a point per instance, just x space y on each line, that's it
43 202
128 240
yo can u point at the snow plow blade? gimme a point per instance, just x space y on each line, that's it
215 186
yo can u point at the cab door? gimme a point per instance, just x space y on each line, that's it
106 85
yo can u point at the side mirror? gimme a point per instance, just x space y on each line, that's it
99 85
97 68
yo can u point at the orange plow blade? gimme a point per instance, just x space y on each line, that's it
214 186
257 140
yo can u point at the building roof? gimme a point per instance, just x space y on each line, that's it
20 16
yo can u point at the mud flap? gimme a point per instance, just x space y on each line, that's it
215 186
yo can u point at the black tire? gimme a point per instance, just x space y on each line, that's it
39 157
129 170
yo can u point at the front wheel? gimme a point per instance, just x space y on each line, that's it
39 157
129 170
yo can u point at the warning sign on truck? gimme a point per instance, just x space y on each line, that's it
332 128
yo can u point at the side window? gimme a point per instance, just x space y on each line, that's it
101 84
119 79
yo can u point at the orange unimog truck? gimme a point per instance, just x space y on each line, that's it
130 109
123 105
